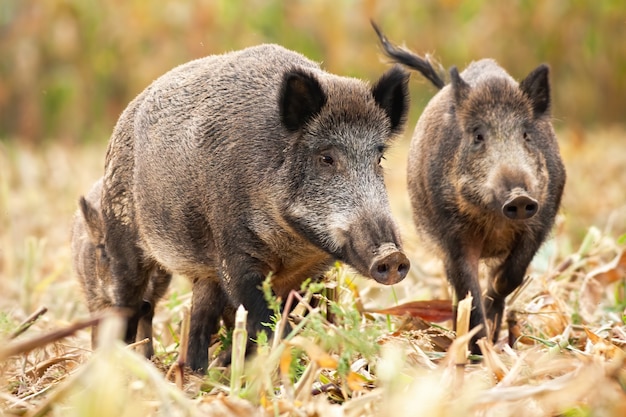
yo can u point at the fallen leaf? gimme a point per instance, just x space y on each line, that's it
430 310
591 292
418 327
602 347
355 381
595 283
610 272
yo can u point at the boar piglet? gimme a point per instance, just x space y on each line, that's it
485 176
91 265
234 166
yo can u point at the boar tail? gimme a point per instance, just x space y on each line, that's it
411 60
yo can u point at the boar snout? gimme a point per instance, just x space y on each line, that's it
390 265
520 206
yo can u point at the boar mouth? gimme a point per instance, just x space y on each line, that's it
519 205
354 246
388 264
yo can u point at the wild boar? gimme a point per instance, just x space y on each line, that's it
234 166
91 265
485 176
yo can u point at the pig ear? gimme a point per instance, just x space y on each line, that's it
459 87
92 220
536 86
391 93
301 98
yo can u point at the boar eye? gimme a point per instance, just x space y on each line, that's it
326 160
526 137
478 138
381 153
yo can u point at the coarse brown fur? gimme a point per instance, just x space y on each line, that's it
91 262
485 177
235 166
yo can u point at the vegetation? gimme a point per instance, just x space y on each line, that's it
69 68
568 322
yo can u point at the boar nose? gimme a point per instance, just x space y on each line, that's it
520 207
390 266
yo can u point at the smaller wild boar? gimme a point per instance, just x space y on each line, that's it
485 176
91 265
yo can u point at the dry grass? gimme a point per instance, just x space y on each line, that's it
567 322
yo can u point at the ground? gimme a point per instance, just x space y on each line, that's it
567 322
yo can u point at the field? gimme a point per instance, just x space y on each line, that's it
68 69
569 326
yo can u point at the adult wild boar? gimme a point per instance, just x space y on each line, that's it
232 167
485 176
91 263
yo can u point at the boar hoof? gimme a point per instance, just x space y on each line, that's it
521 207
390 268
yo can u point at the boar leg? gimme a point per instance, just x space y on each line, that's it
207 304
228 318
505 279
129 276
462 271
132 323
144 330
242 281
159 282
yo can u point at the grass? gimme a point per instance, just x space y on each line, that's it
567 321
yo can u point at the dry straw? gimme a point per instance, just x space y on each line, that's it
566 325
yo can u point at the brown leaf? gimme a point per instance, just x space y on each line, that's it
602 347
595 283
431 310
610 272
593 338
439 339
355 381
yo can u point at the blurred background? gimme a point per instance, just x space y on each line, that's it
68 68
